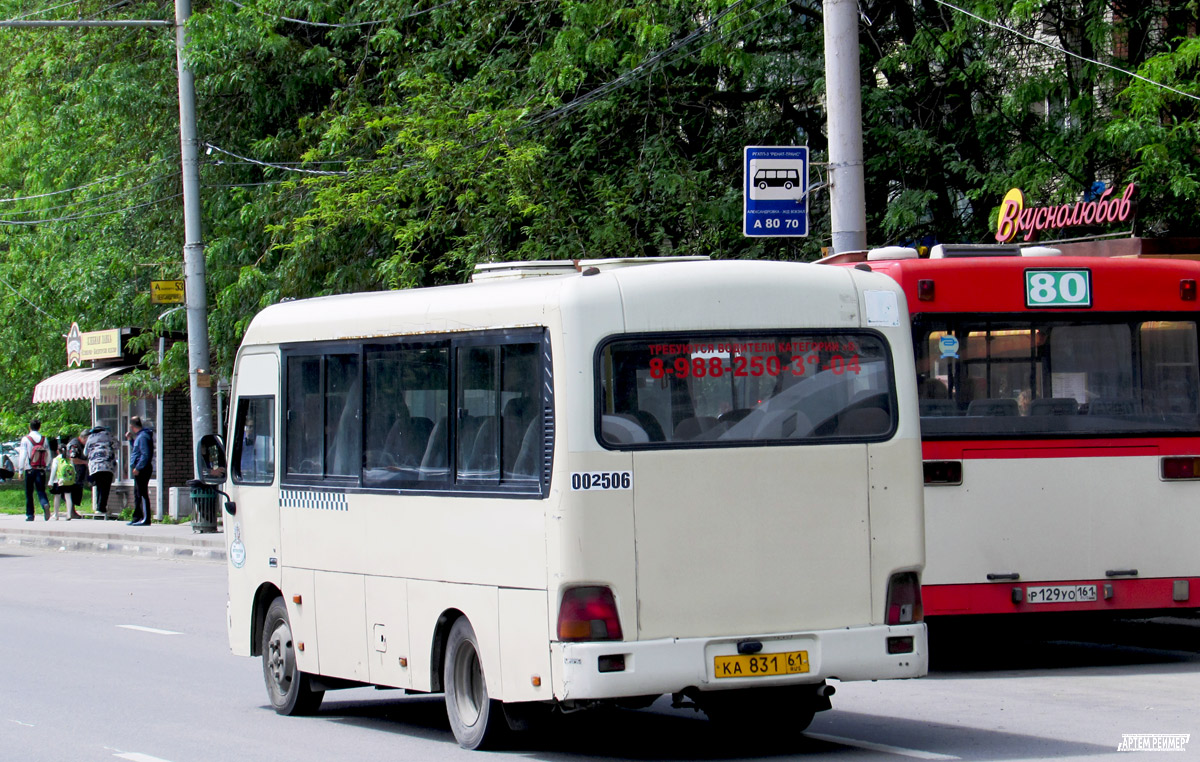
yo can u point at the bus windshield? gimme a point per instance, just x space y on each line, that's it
725 389
983 376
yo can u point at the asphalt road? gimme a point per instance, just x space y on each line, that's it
115 657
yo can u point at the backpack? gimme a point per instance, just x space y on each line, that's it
39 453
64 472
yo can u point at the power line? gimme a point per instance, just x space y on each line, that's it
355 25
105 213
94 199
1071 53
637 71
666 56
25 299
325 172
85 185
45 10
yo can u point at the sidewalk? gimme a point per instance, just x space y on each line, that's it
93 535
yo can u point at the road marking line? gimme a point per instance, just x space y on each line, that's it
26 724
134 756
867 745
139 628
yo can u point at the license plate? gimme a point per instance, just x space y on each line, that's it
761 665
1061 594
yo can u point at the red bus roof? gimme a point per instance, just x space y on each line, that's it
997 284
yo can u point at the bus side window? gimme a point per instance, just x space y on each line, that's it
253 456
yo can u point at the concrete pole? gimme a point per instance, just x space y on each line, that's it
199 377
843 95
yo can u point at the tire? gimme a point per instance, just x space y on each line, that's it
787 185
289 690
477 720
762 185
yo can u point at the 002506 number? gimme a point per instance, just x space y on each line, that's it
589 480
741 366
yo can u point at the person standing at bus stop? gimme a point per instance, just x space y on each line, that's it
141 458
78 458
102 462
34 460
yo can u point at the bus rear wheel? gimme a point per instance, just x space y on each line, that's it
290 690
477 720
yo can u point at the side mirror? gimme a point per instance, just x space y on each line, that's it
210 459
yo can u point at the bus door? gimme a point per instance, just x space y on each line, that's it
252 532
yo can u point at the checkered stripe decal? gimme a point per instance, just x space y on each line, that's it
324 501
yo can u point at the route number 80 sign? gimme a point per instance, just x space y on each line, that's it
1058 288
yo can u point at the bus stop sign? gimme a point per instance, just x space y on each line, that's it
775 191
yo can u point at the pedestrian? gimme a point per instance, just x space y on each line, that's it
34 460
62 480
75 453
101 452
141 458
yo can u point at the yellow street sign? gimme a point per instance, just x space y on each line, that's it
166 292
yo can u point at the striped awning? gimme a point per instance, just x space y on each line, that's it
77 384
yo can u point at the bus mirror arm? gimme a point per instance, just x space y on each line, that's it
200 484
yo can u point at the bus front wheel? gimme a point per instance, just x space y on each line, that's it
477 721
289 689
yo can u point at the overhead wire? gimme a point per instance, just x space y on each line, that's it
90 215
97 181
1065 51
666 56
354 25
92 199
40 11
285 167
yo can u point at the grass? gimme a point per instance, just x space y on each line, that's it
12 500
12 497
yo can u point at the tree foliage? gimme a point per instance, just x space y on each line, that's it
396 143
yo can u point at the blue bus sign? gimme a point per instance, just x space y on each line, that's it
775 191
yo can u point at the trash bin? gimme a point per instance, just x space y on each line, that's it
204 501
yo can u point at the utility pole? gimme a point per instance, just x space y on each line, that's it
195 278
843 96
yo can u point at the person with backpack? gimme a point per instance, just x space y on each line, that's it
62 481
34 461
78 457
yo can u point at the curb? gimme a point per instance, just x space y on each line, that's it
199 548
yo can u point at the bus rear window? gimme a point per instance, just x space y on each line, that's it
982 377
717 390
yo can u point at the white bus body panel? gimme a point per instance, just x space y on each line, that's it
690 575
1025 526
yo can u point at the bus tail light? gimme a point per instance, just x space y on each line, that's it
1181 467
1187 290
904 599
588 613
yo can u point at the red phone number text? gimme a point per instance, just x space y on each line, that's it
742 367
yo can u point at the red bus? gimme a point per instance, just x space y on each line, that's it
1060 424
